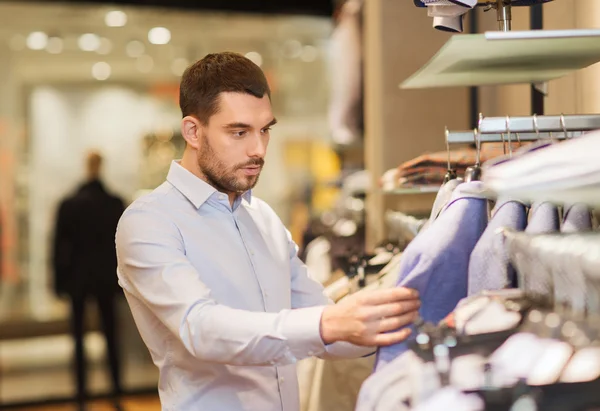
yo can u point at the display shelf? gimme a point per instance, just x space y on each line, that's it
512 57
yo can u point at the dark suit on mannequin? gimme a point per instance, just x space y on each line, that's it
85 265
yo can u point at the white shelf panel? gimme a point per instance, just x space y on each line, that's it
508 58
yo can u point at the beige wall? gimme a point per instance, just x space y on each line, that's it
402 124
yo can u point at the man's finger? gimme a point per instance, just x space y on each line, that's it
392 338
394 323
393 309
391 295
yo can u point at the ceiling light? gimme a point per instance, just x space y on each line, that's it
37 40
179 65
255 57
101 70
17 42
55 45
145 64
115 18
105 46
292 49
89 42
135 48
159 35
309 54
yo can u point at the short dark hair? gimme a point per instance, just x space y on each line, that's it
205 80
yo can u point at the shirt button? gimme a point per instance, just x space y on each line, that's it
311 353
222 196
281 380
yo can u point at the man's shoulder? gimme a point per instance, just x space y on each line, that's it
155 199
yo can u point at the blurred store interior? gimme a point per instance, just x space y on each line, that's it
77 75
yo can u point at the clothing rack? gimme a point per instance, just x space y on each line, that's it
580 122
466 137
528 128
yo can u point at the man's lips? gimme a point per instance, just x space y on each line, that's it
251 170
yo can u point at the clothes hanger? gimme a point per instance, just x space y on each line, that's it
473 173
450 173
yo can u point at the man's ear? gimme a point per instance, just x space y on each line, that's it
191 130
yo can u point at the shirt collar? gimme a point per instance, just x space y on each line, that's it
196 190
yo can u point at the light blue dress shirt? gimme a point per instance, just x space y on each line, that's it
219 296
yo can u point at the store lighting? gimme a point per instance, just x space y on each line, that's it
105 46
159 35
115 18
179 65
38 40
292 49
55 45
135 48
309 54
89 42
145 64
101 71
255 57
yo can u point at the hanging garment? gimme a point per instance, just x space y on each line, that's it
443 197
489 265
345 111
543 219
436 262
318 259
562 172
334 385
577 217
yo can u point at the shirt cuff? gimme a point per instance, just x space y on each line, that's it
343 349
302 331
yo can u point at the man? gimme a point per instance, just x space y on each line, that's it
84 265
217 291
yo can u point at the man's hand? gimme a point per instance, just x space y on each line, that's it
365 318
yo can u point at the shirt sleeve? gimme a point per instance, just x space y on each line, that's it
307 292
154 268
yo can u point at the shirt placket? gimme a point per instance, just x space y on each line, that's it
251 257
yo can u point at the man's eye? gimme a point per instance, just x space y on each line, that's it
266 130
239 133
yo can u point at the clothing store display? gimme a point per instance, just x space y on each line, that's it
431 168
577 217
562 172
163 234
436 262
327 385
318 259
443 197
489 268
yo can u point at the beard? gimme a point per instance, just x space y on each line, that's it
222 177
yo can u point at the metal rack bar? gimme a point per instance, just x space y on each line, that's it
583 122
467 137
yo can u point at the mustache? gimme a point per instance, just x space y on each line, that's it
254 162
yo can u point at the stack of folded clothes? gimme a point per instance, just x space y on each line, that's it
430 169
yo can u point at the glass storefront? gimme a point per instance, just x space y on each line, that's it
94 77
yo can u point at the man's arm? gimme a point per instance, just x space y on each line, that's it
307 292
154 268
61 249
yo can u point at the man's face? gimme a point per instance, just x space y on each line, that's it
234 142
